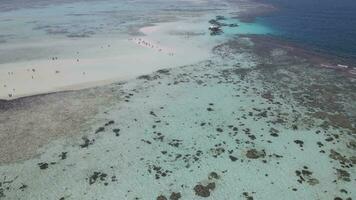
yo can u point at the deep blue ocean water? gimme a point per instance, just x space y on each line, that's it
328 26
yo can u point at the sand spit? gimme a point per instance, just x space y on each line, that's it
243 124
98 46
93 63
66 54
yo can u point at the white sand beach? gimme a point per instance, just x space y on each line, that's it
96 61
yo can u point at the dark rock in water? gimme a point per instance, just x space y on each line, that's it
313 181
233 158
100 129
116 131
211 186
343 175
215 30
214 22
146 77
175 143
43 165
306 175
175 196
213 175
110 123
23 187
163 71
233 25
63 155
294 127
158 171
274 132
2 195
161 197
219 130
217 151
352 144
254 154
337 156
204 191
262 114
299 142
220 17
217 23
209 109
218 32
153 114
97 176
247 196
86 143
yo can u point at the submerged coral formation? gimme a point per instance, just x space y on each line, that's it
243 125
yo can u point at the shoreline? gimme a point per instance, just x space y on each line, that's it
322 60
147 53
70 88
70 72
247 12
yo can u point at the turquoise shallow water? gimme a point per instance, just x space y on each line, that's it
77 19
253 121
232 127
247 28
80 20
85 19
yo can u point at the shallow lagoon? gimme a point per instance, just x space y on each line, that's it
78 45
230 126
251 121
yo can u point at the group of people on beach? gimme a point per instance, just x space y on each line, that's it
148 44
139 41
